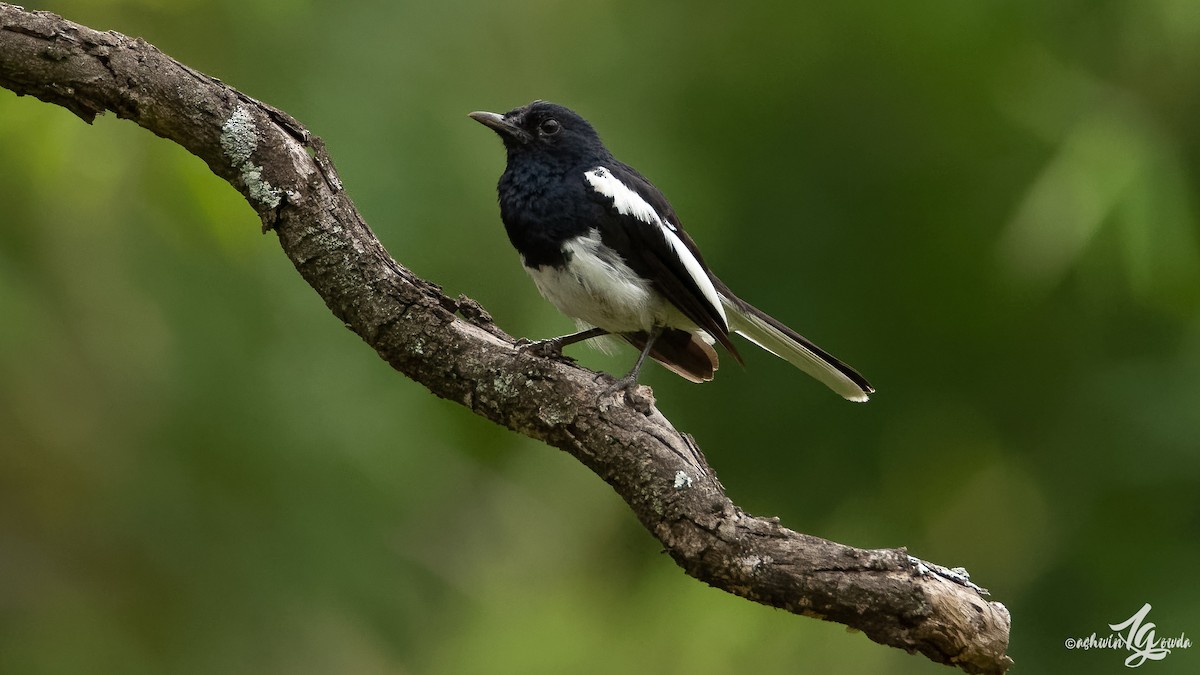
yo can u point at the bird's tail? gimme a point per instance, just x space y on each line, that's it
765 331
681 352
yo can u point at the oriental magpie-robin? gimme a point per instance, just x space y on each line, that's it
604 246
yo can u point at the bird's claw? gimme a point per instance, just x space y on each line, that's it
547 349
633 396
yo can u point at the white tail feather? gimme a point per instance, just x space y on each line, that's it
754 328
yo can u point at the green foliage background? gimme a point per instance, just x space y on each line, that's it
989 207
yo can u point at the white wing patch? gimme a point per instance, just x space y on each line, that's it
628 202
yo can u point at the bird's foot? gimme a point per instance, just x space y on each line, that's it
629 386
551 348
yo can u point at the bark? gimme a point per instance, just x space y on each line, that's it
451 346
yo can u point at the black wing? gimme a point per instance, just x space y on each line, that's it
639 220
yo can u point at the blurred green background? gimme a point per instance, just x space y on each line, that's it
988 207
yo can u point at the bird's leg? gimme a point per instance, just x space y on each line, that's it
552 347
629 382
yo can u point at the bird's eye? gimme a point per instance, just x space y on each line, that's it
549 127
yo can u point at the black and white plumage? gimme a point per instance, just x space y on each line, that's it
604 246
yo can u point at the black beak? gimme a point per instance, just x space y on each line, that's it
501 126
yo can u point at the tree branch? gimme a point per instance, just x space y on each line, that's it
452 347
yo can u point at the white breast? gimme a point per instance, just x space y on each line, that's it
598 288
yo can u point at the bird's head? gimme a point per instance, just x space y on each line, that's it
544 129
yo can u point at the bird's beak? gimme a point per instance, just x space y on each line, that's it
506 129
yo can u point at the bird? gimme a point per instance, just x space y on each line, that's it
604 246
